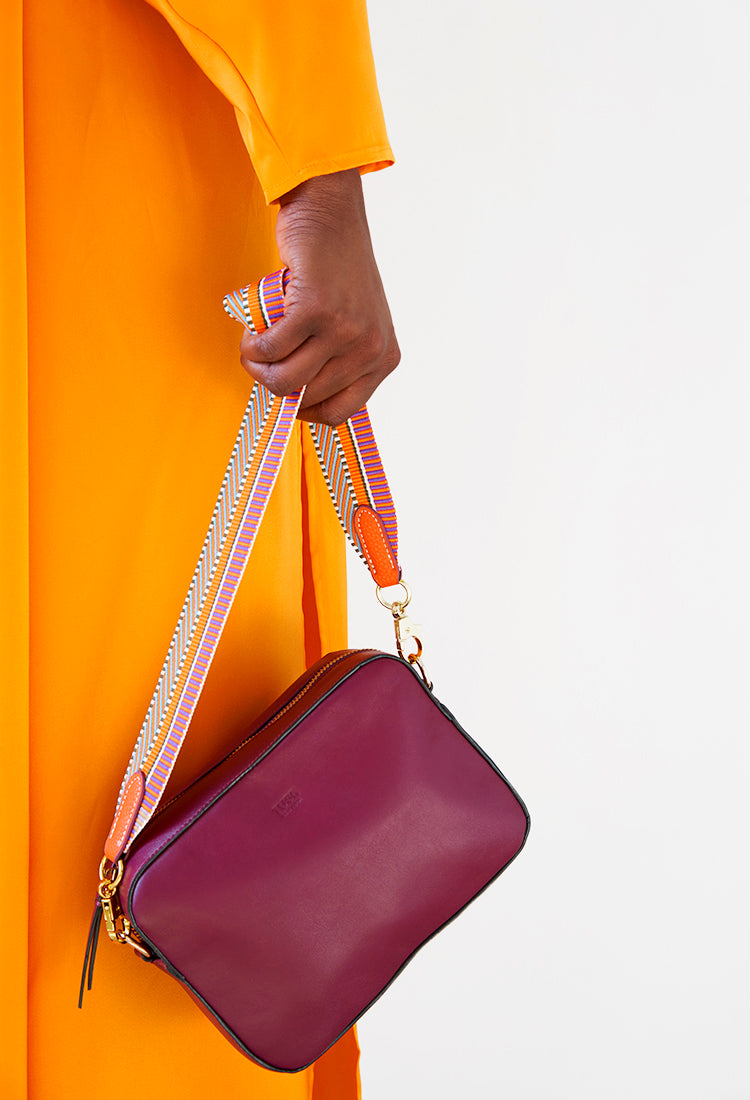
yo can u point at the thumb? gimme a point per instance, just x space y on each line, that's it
277 342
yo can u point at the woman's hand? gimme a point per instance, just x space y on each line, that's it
336 336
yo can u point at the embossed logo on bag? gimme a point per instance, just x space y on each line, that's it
289 802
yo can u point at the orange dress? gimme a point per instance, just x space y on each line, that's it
130 205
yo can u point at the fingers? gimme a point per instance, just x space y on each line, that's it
337 387
335 394
279 341
290 353
337 408
336 337
341 368
290 372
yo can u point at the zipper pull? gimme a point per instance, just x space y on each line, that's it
87 974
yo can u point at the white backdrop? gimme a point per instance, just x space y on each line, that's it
565 244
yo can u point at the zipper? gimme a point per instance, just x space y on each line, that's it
274 718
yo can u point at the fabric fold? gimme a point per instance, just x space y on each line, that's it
119 255
273 63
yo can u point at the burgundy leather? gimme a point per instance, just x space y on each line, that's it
288 885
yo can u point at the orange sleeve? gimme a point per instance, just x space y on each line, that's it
300 76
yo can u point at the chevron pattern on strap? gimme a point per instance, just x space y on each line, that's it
354 474
348 454
253 466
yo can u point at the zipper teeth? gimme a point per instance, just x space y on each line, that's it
280 714
295 700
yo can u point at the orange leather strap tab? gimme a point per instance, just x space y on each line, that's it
376 547
125 816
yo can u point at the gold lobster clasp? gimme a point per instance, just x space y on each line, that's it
405 630
118 926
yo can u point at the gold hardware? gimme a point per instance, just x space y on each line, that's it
415 659
109 915
130 938
110 873
406 630
119 928
391 604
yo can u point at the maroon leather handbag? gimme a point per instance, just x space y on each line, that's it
289 885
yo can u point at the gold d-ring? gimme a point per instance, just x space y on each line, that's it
112 875
391 604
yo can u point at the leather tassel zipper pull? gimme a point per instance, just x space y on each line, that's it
87 974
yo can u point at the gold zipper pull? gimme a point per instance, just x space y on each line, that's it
108 912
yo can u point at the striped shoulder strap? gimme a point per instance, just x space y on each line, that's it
348 454
358 487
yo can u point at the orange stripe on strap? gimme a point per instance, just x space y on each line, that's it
253 300
352 461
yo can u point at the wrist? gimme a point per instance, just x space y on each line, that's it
327 196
